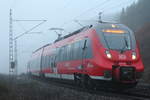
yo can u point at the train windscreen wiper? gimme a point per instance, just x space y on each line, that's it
106 42
125 46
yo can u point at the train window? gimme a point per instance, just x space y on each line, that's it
57 54
35 63
122 40
49 64
65 53
43 62
89 49
32 64
52 61
55 61
60 54
80 49
121 35
47 61
69 52
72 51
76 46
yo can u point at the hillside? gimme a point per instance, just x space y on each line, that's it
136 17
143 36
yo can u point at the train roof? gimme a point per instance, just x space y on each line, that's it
73 33
82 29
41 47
66 36
103 24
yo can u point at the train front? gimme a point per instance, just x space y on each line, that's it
120 55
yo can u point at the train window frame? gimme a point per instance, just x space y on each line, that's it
120 27
49 61
89 49
77 47
72 50
54 60
69 52
65 56
60 54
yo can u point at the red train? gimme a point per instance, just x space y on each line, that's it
103 51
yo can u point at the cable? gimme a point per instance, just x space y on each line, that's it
111 7
92 8
102 3
118 5
20 25
29 30
104 7
97 6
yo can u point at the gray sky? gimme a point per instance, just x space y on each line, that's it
58 13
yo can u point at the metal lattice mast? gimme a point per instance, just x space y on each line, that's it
16 57
13 59
10 43
19 36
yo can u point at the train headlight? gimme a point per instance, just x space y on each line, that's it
133 55
108 54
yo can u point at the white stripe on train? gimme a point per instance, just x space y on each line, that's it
70 77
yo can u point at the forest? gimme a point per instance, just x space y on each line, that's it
137 17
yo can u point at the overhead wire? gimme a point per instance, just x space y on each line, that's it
118 5
21 26
103 9
106 10
88 10
113 7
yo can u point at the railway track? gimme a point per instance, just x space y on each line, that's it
141 92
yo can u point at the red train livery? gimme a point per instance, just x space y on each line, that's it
103 51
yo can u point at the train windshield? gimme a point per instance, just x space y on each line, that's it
117 41
117 37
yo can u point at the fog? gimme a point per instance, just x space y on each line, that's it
58 13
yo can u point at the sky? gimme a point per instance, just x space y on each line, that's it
58 13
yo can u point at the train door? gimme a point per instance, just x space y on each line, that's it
84 49
54 68
41 60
